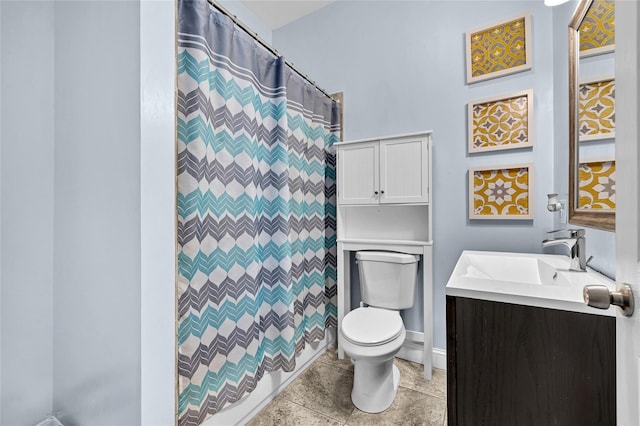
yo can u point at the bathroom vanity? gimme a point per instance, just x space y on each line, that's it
522 348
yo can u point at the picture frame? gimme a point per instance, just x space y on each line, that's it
499 49
597 30
596 184
501 192
596 109
501 122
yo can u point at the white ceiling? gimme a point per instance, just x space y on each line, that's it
278 13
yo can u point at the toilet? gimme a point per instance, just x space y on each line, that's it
371 336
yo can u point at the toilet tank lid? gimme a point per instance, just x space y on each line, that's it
386 256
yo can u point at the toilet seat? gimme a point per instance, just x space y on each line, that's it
372 326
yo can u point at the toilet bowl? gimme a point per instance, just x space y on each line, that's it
372 349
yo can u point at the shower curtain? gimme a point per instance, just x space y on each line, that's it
256 212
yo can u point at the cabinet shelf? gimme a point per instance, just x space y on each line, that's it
375 204
382 242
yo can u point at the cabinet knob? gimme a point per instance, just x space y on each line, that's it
599 296
382 192
375 192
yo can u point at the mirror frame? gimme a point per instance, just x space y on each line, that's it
605 220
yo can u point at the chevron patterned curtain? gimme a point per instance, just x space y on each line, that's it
312 128
256 213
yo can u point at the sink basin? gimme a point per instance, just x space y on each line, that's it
541 280
507 267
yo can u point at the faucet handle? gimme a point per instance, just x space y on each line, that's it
555 231
576 232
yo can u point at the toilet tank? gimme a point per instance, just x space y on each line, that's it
387 279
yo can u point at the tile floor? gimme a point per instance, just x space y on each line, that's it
322 396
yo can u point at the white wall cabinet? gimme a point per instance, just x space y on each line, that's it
358 166
384 203
385 171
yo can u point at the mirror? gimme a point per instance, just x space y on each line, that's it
592 115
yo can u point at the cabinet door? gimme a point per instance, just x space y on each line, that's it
358 173
522 365
404 171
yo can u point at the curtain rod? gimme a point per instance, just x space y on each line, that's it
266 45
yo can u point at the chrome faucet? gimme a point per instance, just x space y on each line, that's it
576 244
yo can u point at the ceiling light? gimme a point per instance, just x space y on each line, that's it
554 2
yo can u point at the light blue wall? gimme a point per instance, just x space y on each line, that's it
561 16
70 163
97 213
248 18
401 67
600 244
26 197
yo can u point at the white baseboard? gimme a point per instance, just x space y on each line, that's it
439 359
240 412
413 350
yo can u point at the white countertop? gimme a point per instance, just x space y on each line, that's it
540 280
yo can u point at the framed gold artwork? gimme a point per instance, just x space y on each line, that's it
501 192
501 122
597 109
499 49
597 30
597 184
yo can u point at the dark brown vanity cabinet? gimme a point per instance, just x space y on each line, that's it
521 365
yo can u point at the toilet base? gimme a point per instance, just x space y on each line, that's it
375 385
375 378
